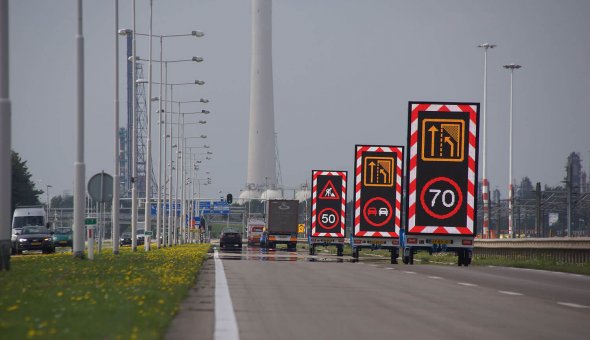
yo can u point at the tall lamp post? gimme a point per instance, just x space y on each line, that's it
79 165
510 67
116 175
485 183
5 132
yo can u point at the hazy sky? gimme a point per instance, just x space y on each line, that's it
344 71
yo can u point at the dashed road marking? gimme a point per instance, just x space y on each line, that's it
389 268
573 305
435 277
467 284
509 293
408 272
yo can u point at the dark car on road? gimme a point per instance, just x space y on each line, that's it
62 237
230 237
125 239
34 238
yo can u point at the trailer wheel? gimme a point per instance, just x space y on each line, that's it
411 257
340 250
460 258
311 249
394 255
355 254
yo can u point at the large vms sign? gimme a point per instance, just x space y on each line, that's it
378 190
328 210
442 173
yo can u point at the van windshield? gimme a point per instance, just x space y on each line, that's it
21 221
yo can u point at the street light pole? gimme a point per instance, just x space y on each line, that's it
485 183
134 178
79 165
148 177
5 140
116 175
159 223
510 67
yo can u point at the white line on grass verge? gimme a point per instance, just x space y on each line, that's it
226 326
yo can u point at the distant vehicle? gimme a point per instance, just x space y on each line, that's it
281 224
372 211
62 237
125 239
34 238
383 211
230 237
254 231
33 215
140 237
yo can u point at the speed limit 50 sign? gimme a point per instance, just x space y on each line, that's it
328 211
443 140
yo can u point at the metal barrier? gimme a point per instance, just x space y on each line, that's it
563 249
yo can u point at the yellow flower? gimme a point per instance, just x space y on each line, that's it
12 308
60 293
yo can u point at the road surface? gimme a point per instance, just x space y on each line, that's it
285 295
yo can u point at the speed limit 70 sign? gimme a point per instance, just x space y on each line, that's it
328 203
442 174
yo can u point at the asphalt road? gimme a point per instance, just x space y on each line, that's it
284 295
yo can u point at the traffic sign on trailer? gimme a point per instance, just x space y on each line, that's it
378 190
328 210
443 141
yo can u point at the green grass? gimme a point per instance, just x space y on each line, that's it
451 259
133 295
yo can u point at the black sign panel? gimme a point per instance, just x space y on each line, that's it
378 176
282 216
442 172
328 203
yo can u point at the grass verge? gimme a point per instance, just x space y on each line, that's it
133 295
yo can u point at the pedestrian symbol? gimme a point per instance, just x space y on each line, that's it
378 171
329 192
443 140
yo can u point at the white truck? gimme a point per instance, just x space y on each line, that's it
33 215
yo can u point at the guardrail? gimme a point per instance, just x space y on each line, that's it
562 249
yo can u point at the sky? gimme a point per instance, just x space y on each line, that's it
344 71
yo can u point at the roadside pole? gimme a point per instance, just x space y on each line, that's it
5 156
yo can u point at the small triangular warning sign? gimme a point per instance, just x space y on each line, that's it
329 192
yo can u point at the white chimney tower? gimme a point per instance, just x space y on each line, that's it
261 143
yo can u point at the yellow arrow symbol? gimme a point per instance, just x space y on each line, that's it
372 165
433 130
450 142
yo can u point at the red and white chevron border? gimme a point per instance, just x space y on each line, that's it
360 149
461 230
314 190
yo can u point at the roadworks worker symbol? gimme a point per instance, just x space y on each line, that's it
443 140
378 171
329 192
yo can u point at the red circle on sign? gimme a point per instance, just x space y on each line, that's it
374 224
452 183
335 222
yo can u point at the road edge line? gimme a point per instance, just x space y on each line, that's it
226 326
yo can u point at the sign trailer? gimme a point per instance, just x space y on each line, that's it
377 198
442 178
328 212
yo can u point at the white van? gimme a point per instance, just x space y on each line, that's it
29 216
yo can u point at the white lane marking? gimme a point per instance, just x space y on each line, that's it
467 284
226 326
491 266
373 265
509 293
407 272
389 268
573 305
435 277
